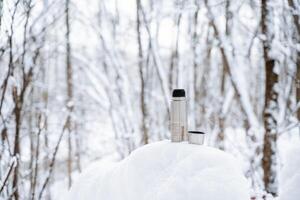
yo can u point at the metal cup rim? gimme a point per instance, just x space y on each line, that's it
196 132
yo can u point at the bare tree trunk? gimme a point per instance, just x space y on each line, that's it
1 10
295 16
37 153
31 136
270 123
227 16
69 102
19 101
297 25
174 65
19 98
17 110
145 132
194 103
221 117
16 152
298 86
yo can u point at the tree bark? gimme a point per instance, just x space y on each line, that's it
19 101
298 86
174 64
221 117
16 152
69 102
145 136
297 36
195 69
270 105
1 10
17 109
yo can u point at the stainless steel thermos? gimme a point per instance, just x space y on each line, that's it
178 124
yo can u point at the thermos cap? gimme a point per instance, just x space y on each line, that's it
178 93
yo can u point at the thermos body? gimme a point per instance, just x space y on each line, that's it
178 118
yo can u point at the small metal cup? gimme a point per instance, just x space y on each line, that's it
196 137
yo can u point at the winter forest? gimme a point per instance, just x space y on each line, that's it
85 81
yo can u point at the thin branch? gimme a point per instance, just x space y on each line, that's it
9 171
52 162
10 64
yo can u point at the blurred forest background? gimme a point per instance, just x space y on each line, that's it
91 80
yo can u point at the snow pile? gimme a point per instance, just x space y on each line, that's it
290 175
163 171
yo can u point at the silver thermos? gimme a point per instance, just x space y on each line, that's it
178 124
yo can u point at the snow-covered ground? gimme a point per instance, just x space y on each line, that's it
165 170
290 172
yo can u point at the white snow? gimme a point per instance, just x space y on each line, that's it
290 174
165 171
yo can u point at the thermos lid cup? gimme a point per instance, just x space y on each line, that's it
196 137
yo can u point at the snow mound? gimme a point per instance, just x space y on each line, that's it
163 171
290 175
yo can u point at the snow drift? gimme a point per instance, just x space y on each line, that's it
290 175
163 171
